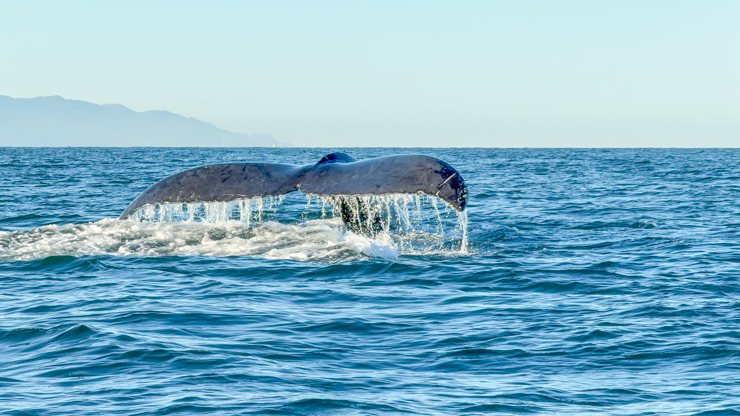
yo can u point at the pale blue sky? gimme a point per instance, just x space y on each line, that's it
396 73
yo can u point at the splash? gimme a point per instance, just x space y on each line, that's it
415 216
315 240
413 222
334 229
247 211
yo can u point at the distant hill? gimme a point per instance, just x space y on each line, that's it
55 121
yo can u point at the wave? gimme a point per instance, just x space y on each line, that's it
313 240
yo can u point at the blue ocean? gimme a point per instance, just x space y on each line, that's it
578 281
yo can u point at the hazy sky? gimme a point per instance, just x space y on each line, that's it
396 73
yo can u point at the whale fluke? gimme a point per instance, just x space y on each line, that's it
334 174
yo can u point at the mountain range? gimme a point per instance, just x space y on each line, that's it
56 121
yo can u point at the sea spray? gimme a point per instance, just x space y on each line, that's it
247 211
412 222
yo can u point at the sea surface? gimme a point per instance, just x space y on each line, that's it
580 282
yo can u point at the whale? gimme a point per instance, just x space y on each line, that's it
336 174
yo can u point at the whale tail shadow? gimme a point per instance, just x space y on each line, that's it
358 218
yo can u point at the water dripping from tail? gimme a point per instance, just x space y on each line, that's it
247 211
414 216
411 223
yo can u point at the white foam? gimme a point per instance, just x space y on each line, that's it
244 228
312 240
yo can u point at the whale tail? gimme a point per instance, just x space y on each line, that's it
336 174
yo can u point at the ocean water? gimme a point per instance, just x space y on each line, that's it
584 282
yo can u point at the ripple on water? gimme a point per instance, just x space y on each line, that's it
596 281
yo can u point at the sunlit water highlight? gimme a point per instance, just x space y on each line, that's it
593 282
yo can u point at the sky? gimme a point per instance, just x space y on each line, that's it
396 73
